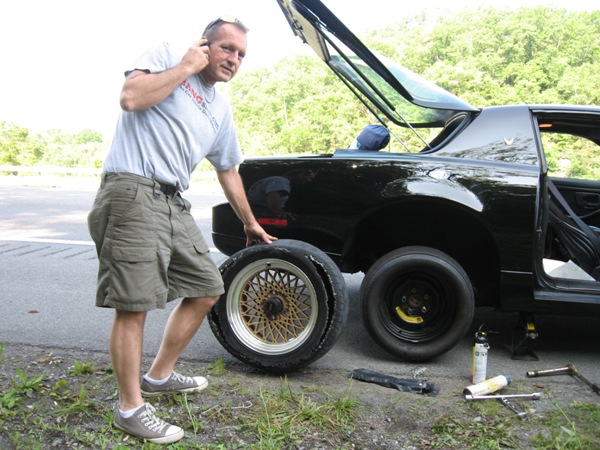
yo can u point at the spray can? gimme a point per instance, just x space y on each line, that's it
480 355
487 386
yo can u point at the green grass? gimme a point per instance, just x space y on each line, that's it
575 427
482 434
572 428
60 402
82 368
287 416
75 410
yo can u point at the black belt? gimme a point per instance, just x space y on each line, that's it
168 189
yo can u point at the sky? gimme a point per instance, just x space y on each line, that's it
62 61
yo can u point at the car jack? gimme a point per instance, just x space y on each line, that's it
524 338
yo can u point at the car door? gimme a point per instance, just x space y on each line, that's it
570 141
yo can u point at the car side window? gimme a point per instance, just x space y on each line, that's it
572 149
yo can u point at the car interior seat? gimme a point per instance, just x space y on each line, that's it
578 241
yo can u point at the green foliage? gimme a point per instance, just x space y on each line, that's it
77 404
288 415
81 150
217 368
82 368
571 157
27 386
574 427
530 55
17 148
298 106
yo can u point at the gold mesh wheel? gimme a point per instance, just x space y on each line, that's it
272 306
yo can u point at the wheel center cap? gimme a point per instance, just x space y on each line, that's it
272 306
415 301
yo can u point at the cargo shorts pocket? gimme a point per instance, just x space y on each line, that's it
192 230
136 275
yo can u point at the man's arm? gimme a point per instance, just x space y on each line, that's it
143 90
233 188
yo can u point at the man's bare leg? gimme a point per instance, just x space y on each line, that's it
126 341
181 327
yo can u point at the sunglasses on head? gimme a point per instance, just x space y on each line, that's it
223 19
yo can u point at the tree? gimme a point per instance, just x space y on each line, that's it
84 149
299 106
16 146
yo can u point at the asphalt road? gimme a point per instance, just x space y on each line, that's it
47 287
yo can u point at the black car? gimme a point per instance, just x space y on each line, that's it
467 217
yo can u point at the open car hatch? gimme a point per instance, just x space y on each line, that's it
381 85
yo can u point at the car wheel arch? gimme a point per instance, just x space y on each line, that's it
418 224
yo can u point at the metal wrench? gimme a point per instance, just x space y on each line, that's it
534 396
569 369
520 414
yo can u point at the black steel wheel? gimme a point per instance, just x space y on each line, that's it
417 302
284 305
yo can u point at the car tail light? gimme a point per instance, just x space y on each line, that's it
272 222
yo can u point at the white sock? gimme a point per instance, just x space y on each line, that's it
127 414
153 381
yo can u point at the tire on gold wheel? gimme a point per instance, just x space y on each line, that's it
284 305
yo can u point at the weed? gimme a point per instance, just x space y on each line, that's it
189 409
573 429
9 401
217 368
477 434
27 386
288 415
79 405
60 390
345 410
81 368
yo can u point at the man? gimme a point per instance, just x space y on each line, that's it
149 247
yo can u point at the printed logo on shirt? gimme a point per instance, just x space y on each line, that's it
200 103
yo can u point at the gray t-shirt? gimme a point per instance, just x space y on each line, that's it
167 142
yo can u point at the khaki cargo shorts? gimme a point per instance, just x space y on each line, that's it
149 247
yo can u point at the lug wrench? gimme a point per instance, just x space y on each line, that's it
504 399
534 396
520 414
569 369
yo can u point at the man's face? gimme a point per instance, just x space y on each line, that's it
227 50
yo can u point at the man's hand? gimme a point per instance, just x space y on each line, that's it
234 191
255 234
197 56
142 89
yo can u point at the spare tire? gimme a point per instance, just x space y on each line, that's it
284 305
417 302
